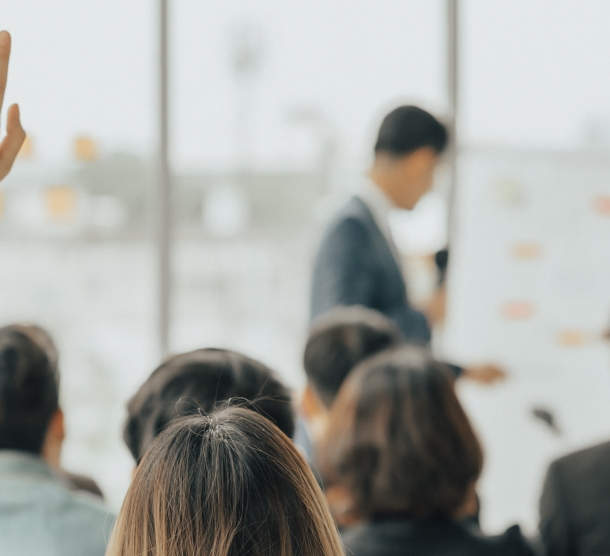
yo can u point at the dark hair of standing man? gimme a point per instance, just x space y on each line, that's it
409 128
341 339
398 440
199 382
29 391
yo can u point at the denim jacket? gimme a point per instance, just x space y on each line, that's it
41 516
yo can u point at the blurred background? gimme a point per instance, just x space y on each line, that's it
273 107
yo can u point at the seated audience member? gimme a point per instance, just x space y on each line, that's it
226 484
45 341
402 460
15 136
338 342
575 504
198 382
39 511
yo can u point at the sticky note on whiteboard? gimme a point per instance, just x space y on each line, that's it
518 310
526 251
573 338
601 205
576 338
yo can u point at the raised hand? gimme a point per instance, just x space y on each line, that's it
15 136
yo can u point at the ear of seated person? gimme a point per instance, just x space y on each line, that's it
400 462
226 484
198 382
40 511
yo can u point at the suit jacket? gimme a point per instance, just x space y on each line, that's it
575 504
355 265
434 536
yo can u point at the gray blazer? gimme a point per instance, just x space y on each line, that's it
575 504
356 266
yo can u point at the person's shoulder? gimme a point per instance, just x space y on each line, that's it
83 511
438 536
364 540
583 461
49 513
510 543
354 210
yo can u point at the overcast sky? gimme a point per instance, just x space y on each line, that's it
535 73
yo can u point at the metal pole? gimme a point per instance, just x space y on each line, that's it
163 189
453 98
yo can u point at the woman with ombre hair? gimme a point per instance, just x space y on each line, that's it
225 484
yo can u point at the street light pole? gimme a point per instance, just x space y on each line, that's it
162 197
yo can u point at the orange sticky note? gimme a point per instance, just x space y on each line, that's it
601 205
572 338
527 251
518 310
85 149
61 202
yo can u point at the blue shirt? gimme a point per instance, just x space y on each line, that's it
41 516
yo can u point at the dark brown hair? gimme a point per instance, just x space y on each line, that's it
341 339
198 382
227 484
29 390
408 128
398 441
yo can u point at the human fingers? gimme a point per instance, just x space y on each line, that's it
5 53
15 136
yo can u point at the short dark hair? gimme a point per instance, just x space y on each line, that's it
409 128
399 441
29 391
197 382
341 339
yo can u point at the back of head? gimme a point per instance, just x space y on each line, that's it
226 484
340 340
409 128
197 382
29 391
398 441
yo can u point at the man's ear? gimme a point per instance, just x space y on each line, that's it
51 449
311 406
315 413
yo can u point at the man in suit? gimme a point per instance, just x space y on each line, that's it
358 262
575 503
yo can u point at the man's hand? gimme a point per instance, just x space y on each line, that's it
15 136
485 374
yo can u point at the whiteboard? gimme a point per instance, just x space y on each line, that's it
529 287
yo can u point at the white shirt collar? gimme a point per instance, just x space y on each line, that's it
380 205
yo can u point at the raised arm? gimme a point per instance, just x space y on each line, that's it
15 136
